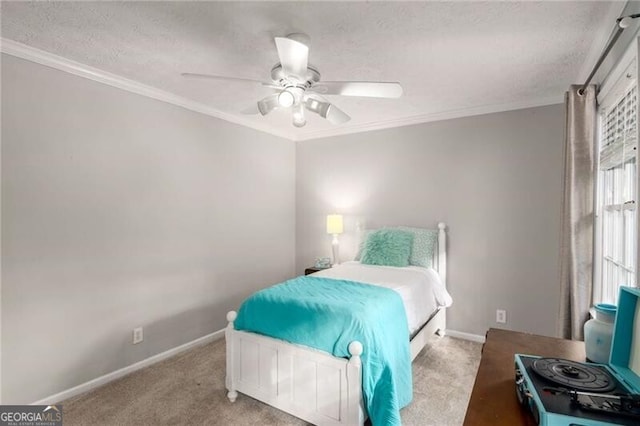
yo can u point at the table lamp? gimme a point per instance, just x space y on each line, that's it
335 227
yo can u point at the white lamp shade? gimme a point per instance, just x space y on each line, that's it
334 224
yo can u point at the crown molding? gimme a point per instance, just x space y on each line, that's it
51 60
42 57
427 118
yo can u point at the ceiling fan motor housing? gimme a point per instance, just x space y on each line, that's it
311 77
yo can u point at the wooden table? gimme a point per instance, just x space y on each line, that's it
493 400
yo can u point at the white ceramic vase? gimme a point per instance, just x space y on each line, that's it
598 332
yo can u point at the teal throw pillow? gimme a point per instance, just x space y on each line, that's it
387 247
425 242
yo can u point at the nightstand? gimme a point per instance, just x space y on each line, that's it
312 269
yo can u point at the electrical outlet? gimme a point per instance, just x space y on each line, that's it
501 316
137 335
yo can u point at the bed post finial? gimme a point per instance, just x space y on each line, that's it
231 317
442 226
355 348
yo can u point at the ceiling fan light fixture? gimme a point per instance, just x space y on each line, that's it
268 104
319 107
286 98
299 119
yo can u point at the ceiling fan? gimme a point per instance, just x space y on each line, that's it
296 85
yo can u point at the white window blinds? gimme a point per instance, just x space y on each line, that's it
617 197
618 140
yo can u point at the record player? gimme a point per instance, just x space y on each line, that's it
560 392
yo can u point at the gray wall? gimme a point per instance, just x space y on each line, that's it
121 211
496 180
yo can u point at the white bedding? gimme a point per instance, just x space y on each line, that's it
421 289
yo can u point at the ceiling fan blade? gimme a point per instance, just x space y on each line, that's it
336 116
373 89
326 109
294 56
268 104
224 78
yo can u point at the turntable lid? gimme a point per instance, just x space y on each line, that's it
625 347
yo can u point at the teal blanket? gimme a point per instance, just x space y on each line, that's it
328 314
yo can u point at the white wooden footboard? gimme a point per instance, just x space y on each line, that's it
307 383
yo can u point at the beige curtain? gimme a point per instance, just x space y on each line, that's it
576 247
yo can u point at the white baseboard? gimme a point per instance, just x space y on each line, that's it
465 336
102 380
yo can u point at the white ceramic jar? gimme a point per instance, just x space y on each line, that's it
598 332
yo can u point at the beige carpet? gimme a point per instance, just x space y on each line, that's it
188 389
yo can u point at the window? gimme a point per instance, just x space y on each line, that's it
616 227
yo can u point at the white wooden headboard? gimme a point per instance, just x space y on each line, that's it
440 262
439 256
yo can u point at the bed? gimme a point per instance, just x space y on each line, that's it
313 384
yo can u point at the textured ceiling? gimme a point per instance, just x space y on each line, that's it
450 57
